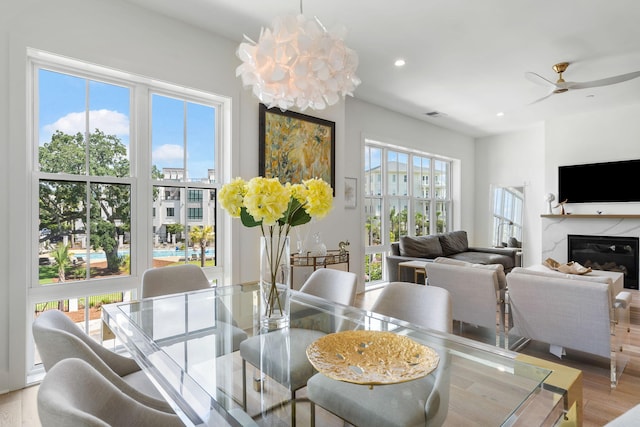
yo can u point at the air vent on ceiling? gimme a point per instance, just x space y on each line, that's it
435 114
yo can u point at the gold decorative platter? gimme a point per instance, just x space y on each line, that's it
371 357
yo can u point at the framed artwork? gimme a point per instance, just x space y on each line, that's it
350 193
294 147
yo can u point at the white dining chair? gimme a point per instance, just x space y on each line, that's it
415 403
173 279
73 393
188 278
335 285
294 368
58 338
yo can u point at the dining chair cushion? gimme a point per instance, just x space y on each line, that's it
286 355
419 402
74 393
395 406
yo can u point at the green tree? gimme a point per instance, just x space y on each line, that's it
61 256
176 230
201 236
156 174
65 204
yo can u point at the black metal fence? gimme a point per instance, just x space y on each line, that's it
94 301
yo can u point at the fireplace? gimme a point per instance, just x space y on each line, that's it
610 253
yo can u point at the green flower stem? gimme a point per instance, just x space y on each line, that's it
283 232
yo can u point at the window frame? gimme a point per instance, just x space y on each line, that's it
141 222
390 183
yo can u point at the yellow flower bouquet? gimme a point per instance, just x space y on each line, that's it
276 208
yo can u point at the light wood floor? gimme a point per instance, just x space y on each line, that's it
601 404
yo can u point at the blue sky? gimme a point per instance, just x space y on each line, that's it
62 106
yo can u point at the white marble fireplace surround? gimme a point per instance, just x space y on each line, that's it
556 228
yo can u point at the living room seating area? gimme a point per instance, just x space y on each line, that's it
454 245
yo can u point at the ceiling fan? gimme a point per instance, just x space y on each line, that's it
562 86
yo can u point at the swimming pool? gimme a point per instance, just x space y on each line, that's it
157 253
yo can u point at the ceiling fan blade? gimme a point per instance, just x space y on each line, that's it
543 98
605 82
539 80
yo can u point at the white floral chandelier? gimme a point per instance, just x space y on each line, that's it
298 63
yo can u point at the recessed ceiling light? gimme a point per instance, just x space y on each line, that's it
399 62
500 114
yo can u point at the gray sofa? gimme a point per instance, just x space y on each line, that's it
453 244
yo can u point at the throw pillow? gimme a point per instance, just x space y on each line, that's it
454 242
420 246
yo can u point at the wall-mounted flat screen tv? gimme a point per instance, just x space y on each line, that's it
600 182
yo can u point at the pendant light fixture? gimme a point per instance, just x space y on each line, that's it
298 63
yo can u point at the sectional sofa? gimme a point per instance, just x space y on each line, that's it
453 245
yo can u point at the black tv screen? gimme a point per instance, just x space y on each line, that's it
600 182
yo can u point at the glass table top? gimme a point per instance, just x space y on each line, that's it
188 346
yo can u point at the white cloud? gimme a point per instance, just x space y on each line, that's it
108 121
168 153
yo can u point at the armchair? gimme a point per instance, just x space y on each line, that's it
477 292
568 311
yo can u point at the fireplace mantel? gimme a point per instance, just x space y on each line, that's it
632 216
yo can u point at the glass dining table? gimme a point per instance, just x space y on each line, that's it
187 344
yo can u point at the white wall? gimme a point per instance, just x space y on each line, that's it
514 159
4 194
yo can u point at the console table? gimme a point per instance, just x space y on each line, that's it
332 257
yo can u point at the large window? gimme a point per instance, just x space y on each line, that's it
405 193
84 175
117 192
183 169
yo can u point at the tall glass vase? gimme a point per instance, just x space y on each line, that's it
275 272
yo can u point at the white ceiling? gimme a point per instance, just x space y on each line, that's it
465 58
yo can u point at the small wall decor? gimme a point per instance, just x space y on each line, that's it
350 193
294 147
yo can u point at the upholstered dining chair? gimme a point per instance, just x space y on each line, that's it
173 279
335 285
73 393
187 278
415 403
57 338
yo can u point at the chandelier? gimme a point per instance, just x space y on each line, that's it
298 63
